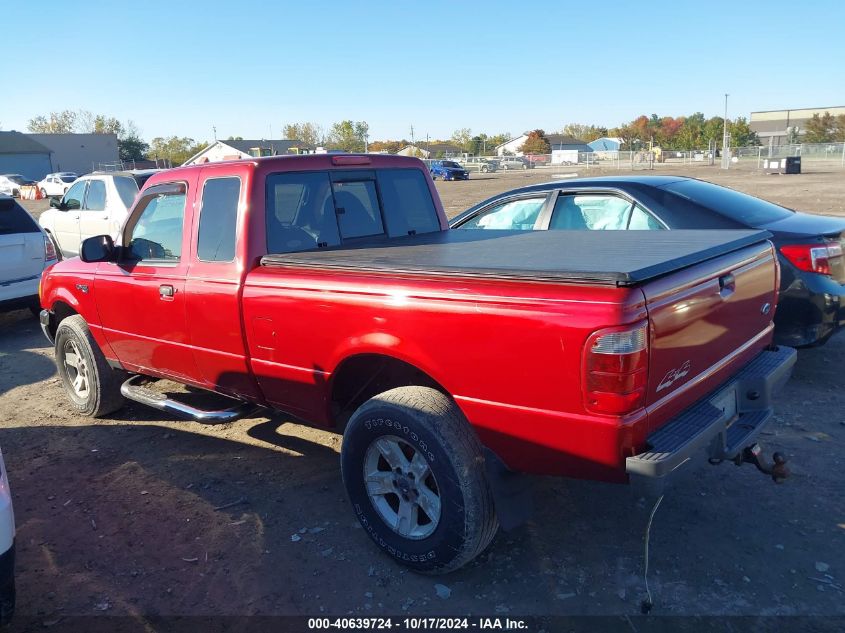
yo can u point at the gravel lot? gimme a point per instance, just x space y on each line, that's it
139 515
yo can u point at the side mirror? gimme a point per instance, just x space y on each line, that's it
99 248
70 204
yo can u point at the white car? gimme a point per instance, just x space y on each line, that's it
25 251
10 184
7 549
57 184
95 204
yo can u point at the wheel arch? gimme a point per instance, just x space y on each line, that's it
362 375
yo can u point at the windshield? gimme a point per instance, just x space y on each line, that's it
738 206
449 163
67 177
16 178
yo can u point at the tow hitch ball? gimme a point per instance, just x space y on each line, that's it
754 455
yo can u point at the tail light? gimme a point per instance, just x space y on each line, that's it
812 258
616 370
49 249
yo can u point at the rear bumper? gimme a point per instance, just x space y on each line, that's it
811 308
723 423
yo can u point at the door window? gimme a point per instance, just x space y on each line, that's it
590 212
155 230
218 219
95 200
75 195
515 215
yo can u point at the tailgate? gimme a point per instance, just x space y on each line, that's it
21 256
706 322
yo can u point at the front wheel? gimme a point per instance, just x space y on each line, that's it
91 384
414 472
43 193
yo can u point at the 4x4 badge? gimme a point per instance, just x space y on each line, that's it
673 376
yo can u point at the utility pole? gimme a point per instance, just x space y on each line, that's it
726 161
214 129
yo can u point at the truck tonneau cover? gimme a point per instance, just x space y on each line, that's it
621 258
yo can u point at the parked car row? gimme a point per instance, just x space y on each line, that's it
10 184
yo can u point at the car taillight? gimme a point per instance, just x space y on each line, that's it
49 249
616 370
812 258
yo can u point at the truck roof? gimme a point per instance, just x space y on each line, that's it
620 258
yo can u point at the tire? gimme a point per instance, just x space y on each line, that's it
524 166
43 193
485 169
97 392
438 469
505 167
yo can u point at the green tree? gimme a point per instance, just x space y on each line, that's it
839 129
348 136
536 143
820 129
741 133
176 149
583 132
463 139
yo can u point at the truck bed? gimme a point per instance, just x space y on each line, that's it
617 258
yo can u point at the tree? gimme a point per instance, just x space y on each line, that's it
583 132
309 133
820 129
741 133
349 136
174 148
536 143
463 139
62 122
839 129
131 147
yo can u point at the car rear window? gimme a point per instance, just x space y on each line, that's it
308 210
15 219
728 202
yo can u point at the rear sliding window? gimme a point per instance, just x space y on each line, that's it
307 210
14 219
732 204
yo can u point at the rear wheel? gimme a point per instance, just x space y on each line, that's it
414 472
91 384
43 193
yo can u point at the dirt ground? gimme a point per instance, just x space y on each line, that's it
138 515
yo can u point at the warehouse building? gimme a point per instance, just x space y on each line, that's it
775 127
20 154
79 153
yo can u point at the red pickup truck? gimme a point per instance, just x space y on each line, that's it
330 288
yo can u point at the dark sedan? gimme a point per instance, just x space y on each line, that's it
812 292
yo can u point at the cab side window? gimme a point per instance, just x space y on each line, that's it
218 219
642 220
75 196
155 231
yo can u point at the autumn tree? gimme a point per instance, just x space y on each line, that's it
583 132
463 139
839 129
741 133
63 122
536 143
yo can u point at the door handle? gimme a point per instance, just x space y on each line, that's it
166 291
727 284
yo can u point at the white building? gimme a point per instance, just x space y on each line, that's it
239 149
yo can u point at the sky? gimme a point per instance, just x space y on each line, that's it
247 67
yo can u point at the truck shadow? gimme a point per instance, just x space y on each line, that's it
20 333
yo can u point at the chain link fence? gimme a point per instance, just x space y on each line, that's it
815 157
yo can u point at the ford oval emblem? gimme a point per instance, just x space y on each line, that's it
767 307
